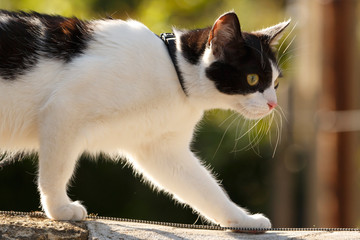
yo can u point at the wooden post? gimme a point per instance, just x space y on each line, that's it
335 154
304 103
327 89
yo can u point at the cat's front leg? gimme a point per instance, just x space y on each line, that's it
58 154
180 173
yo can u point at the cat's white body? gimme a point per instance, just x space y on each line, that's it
108 93
122 97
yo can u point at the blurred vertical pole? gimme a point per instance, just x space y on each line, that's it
325 85
335 153
305 95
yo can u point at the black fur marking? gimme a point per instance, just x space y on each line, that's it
193 44
65 38
19 45
252 56
25 37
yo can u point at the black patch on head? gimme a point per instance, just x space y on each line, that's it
251 56
237 54
193 44
25 37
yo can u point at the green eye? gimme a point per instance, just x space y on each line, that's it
252 79
276 83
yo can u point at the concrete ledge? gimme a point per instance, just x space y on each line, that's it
103 229
36 228
25 227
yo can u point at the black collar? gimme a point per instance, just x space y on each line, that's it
170 41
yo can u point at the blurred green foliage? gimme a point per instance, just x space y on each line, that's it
109 188
160 15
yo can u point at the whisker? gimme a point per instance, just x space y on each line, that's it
223 136
234 113
256 130
237 133
258 137
288 59
287 36
270 138
287 53
278 139
282 113
254 138
270 122
270 133
287 47
249 130
247 123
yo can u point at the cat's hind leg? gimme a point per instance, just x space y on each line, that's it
178 172
58 153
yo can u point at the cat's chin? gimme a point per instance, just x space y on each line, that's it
250 110
253 114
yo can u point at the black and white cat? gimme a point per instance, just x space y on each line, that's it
69 86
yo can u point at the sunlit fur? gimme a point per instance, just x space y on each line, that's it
121 95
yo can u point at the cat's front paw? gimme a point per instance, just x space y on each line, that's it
251 221
259 221
72 211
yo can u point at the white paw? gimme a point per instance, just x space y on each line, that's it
250 221
72 211
259 221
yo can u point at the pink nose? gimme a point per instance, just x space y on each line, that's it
272 105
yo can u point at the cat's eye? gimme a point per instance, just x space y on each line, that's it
276 83
252 79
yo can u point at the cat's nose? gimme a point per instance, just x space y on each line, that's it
272 105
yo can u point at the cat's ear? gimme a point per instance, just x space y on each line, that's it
224 34
272 35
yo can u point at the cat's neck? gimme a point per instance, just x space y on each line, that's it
193 56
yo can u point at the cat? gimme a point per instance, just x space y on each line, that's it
69 86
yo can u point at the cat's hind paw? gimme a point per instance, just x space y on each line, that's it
72 211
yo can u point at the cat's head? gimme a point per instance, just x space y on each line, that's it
239 69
